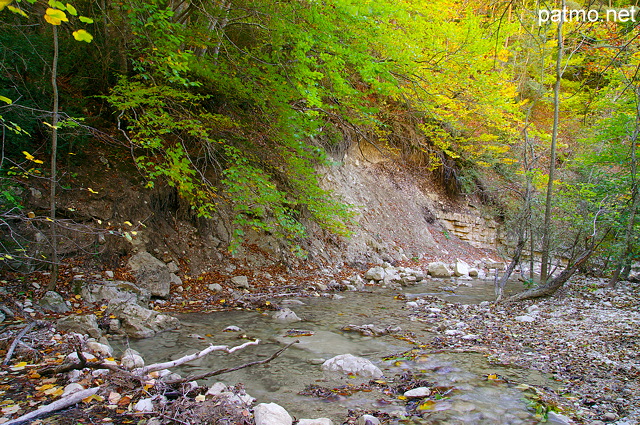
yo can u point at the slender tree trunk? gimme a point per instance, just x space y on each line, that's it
54 159
546 235
624 266
523 222
556 283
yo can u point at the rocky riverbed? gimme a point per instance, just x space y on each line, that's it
585 337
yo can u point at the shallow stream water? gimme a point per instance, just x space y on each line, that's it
475 401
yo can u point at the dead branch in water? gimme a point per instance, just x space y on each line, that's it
231 369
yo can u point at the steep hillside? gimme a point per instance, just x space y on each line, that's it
400 215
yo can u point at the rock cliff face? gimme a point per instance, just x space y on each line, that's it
477 231
399 214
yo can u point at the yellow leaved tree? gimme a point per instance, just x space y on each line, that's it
55 13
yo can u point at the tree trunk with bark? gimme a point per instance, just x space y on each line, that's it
552 285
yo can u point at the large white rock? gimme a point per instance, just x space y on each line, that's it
461 268
439 269
151 273
350 364
271 414
140 322
375 273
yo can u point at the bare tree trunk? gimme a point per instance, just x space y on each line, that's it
515 260
556 283
624 266
54 159
546 235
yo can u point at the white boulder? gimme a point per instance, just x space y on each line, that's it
271 414
350 364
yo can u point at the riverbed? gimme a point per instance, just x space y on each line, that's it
473 396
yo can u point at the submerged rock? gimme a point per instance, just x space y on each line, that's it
286 315
350 364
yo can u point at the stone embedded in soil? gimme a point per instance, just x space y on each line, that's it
525 318
83 324
52 301
151 274
241 282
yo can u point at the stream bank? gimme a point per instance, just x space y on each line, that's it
576 353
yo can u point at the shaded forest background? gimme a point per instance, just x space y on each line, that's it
238 105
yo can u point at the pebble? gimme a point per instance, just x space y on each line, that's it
232 328
418 392
609 417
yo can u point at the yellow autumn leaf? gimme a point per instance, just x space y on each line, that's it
95 397
200 398
45 387
427 405
82 35
17 10
4 3
492 376
91 190
28 155
128 223
52 390
19 366
55 16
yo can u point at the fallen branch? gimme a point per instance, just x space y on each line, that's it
191 357
63 403
15 342
230 369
